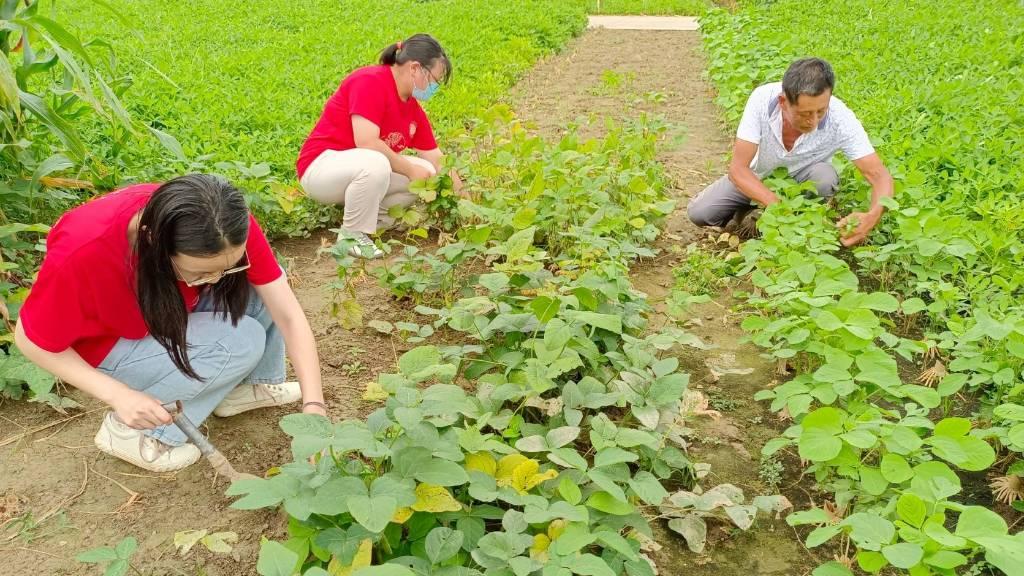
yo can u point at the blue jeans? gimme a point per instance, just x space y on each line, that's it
225 356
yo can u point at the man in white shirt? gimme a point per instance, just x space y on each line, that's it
798 124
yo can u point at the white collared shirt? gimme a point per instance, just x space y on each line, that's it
761 124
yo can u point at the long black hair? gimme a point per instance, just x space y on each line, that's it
196 215
422 48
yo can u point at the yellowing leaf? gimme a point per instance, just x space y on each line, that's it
506 466
555 529
362 559
220 542
375 392
186 539
540 547
401 515
525 476
483 462
431 498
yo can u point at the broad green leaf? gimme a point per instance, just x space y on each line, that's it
869 531
419 359
1010 412
616 542
605 502
911 509
903 555
873 481
895 468
276 560
819 445
441 472
812 516
608 322
613 455
871 562
374 514
590 565
976 522
880 301
934 481
945 559
574 538
822 534
570 491
1004 552
443 543
559 437
648 488
545 308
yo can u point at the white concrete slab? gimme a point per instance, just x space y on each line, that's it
686 23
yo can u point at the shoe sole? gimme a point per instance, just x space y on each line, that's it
235 410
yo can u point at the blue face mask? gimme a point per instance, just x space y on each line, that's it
424 94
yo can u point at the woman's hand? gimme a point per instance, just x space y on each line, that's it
139 410
418 172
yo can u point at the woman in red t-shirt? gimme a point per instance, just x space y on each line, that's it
353 156
156 293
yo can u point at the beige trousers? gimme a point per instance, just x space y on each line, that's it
362 182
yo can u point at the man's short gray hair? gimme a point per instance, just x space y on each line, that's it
811 76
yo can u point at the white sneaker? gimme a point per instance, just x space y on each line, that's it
247 397
120 441
364 248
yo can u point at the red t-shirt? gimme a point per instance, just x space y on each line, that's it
84 297
369 92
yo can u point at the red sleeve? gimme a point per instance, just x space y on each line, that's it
424 137
366 98
54 314
263 266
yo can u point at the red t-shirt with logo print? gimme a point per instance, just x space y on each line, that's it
369 92
84 297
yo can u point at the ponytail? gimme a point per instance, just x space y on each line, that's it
389 57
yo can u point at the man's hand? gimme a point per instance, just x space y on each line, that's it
140 411
855 228
457 185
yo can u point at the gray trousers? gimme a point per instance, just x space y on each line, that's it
720 201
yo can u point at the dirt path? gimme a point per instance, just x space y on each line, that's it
621 74
604 73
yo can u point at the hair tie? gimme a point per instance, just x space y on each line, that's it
398 46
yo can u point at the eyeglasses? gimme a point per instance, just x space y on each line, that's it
213 277
430 74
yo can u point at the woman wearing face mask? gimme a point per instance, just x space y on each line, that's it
353 156
156 293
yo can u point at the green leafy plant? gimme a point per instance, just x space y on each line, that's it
117 560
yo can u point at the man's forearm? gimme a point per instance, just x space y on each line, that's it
751 186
